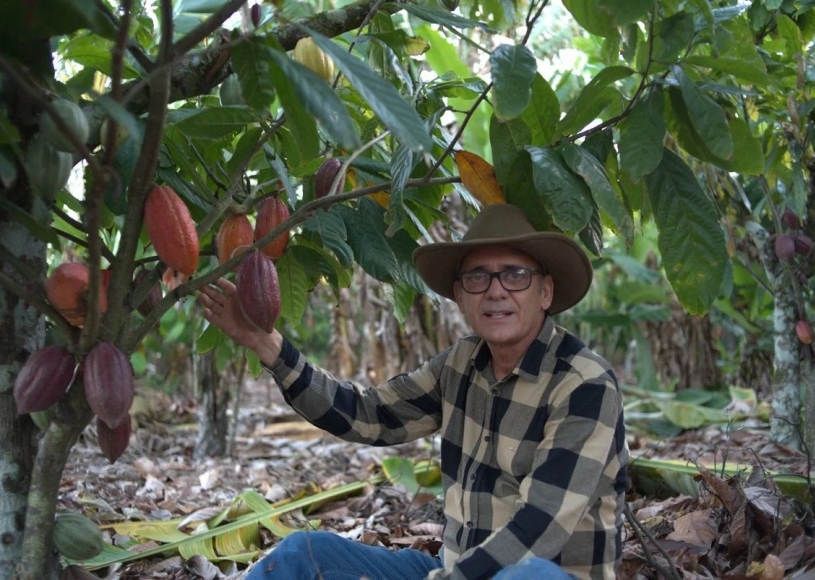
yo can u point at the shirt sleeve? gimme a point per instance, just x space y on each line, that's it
404 408
570 470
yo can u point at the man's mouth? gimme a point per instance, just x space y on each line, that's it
501 314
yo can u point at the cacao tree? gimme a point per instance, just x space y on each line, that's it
694 115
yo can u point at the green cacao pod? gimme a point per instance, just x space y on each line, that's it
74 119
258 291
76 537
47 169
307 53
230 92
43 380
108 379
113 442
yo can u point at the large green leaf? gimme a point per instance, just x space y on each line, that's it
394 111
92 51
594 174
731 65
444 17
642 136
512 67
251 60
401 296
21 21
543 112
691 241
672 35
594 97
508 140
558 190
371 250
330 228
590 15
214 122
626 11
294 288
708 117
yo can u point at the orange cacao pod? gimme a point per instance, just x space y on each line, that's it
44 378
235 231
258 291
272 213
171 229
67 291
108 379
153 298
113 441
803 330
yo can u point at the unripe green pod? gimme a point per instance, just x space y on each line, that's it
74 119
48 170
76 537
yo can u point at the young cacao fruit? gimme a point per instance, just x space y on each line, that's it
153 298
307 53
47 169
255 15
113 441
258 291
171 229
325 176
803 243
44 379
803 330
67 291
235 231
784 247
791 219
74 119
77 537
272 213
230 92
108 379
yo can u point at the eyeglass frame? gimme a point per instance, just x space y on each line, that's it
493 275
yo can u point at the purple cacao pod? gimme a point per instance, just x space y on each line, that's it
108 379
43 380
113 441
784 247
258 291
325 176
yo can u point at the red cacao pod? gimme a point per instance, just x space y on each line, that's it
67 291
791 219
171 229
152 299
108 379
43 380
113 441
784 247
325 176
803 330
803 244
258 291
272 213
235 231
255 14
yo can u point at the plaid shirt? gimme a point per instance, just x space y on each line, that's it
532 465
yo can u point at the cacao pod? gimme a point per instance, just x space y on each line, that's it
172 279
171 229
803 329
152 299
255 15
44 379
67 291
47 169
307 53
258 291
272 213
803 244
118 140
108 379
235 231
230 92
784 247
113 441
325 176
74 119
791 219
77 537
451 5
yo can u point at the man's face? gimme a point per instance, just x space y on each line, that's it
504 319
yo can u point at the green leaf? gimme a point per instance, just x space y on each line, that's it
371 250
92 51
210 339
400 296
672 36
450 85
319 99
626 11
512 67
8 169
214 122
8 131
590 15
200 6
708 117
316 258
294 288
748 155
35 228
543 112
594 97
731 65
508 141
251 60
445 18
46 18
330 227
253 363
642 136
558 190
394 111
594 174
691 242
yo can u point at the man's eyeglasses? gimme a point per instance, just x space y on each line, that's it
512 279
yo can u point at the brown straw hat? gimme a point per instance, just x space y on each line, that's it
505 224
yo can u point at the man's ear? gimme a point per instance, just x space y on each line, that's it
547 292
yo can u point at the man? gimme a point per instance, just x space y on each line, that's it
533 451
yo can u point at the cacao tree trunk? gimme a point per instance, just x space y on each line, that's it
213 424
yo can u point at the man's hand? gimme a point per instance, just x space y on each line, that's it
221 308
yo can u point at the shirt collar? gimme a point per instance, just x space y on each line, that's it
530 365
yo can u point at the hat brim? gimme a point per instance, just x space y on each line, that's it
562 258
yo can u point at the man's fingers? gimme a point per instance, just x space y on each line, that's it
225 285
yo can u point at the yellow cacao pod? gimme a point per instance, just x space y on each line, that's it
309 54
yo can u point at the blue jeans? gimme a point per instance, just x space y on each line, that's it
327 556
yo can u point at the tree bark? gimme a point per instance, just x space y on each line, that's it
213 425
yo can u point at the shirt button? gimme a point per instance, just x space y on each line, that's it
469 524
472 477
487 438
494 392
